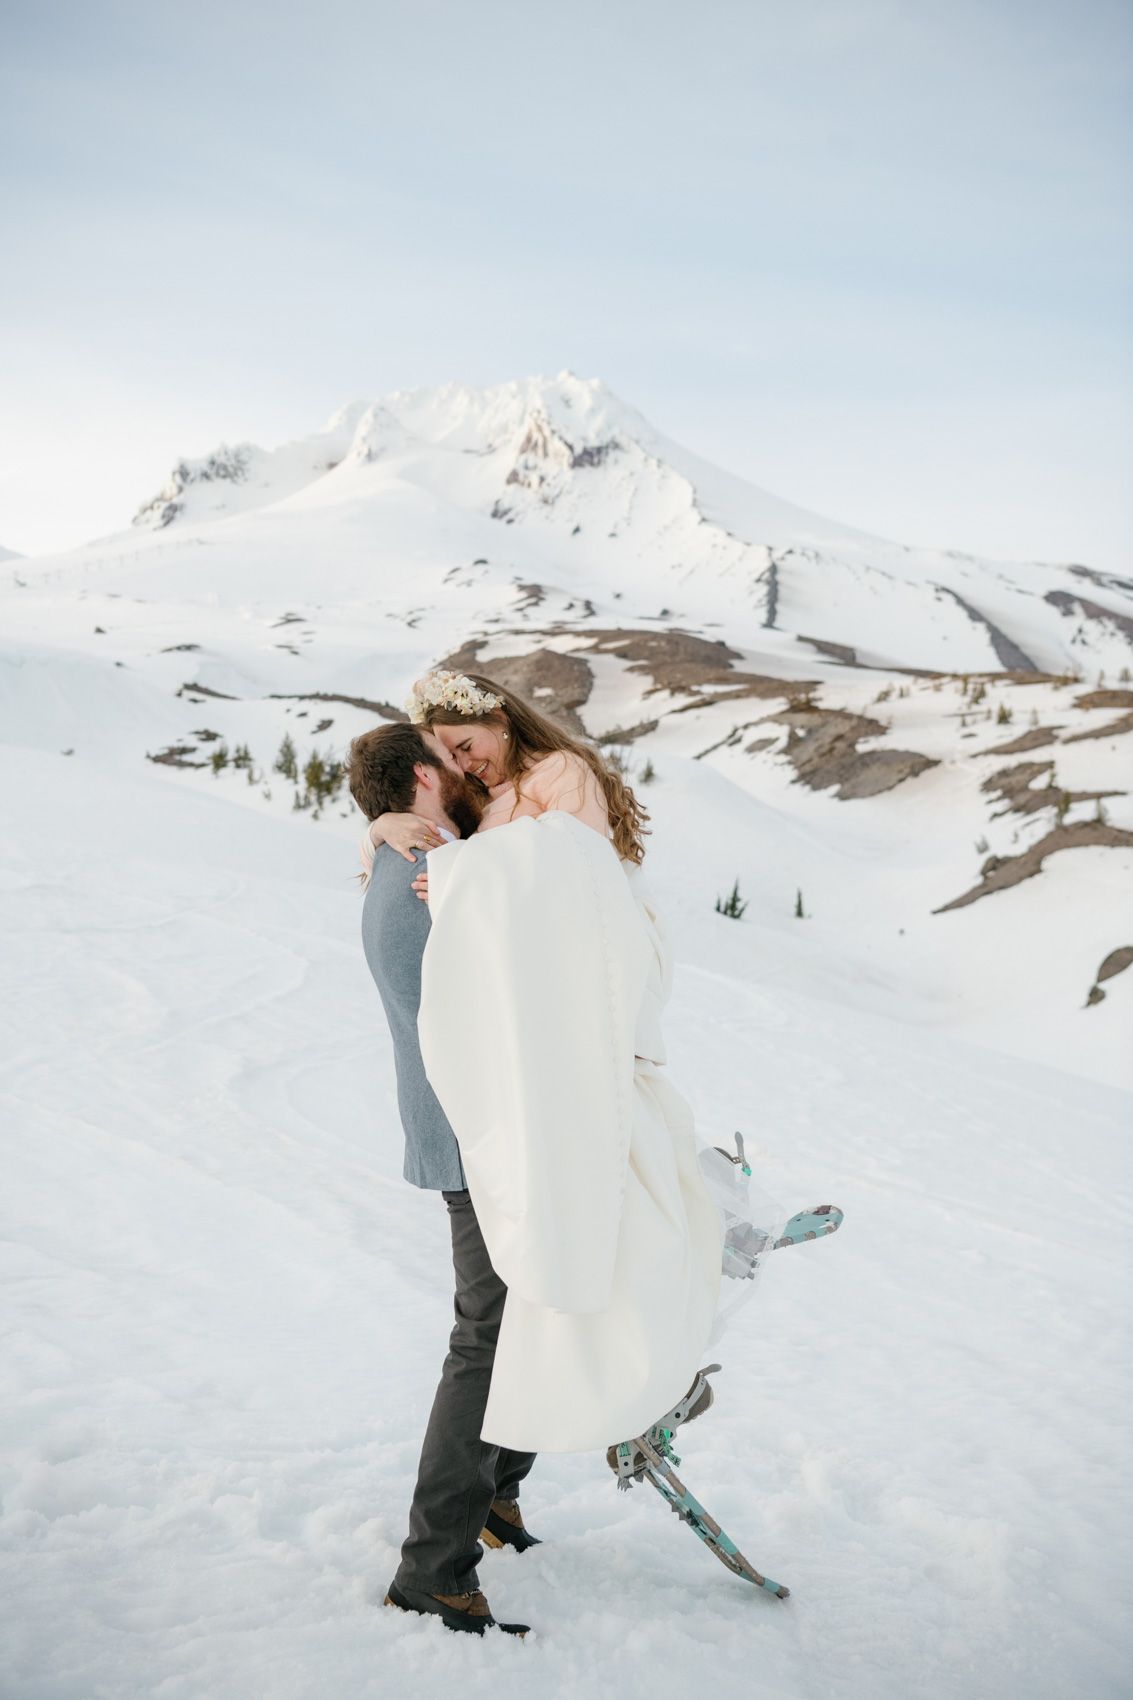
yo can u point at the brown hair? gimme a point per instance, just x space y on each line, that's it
379 768
533 736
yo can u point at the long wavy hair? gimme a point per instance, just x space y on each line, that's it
533 736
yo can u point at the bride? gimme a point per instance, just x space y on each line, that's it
543 980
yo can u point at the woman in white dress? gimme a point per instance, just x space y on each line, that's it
542 984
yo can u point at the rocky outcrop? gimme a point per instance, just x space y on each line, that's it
1036 739
385 709
544 456
557 685
822 746
1006 649
1068 605
1016 787
225 465
1111 729
1104 699
842 652
999 873
1115 963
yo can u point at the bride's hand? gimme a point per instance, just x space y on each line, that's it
405 834
421 886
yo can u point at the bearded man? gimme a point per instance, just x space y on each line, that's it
467 1490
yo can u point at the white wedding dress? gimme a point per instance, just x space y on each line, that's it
543 981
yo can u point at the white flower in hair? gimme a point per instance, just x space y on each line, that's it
446 689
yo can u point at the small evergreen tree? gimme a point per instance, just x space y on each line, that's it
285 761
648 772
1003 715
732 906
800 912
219 758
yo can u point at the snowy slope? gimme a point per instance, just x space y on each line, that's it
229 1309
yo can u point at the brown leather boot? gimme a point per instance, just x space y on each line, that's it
504 1527
468 1612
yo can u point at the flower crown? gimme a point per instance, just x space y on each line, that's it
454 691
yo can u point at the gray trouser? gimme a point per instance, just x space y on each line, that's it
459 1474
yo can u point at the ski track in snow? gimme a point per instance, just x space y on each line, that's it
227 1314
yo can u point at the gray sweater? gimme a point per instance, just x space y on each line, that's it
395 925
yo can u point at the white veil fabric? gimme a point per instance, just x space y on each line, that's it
542 983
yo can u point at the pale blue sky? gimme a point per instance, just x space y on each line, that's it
874 256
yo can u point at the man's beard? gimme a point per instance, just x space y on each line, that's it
461 803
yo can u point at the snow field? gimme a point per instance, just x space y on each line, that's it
229 1313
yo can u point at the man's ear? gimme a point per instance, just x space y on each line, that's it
425 775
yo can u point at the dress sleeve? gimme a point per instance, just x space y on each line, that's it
563 781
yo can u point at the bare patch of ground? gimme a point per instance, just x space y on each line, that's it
842 652
1104 699
680 663
1067 603
385 709
530 596
1035 739
1115 963
1111 729
999 873
177 755
627 734
1016 787
190 690
556 684
822 745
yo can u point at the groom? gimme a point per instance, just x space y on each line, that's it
467 1491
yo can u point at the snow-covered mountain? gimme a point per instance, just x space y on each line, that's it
907 737
228 1308
603 499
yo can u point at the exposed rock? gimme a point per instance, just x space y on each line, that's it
1035 739
1067 603
1111 729
842 652
1116 962
999 873
1104 699
385 709
531 595
177 648
1107 581
628 734
822 745
545 455
226 464
190 689
1016 787
758 744
681 662
177 755
1006 649
556 684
